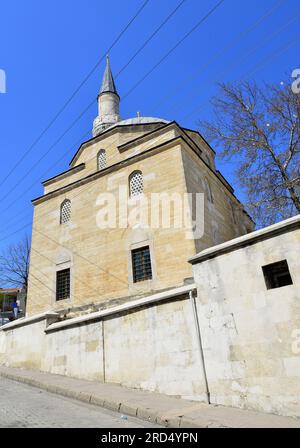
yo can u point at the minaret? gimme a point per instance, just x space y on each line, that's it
108 103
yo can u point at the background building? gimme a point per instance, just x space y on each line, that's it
7 297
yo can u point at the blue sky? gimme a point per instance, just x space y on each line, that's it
47 48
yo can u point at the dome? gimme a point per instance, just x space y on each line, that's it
139 120
142 120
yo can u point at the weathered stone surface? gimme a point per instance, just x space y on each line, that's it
99 259
249 332
155 408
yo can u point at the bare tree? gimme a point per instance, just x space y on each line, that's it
259 129
14 264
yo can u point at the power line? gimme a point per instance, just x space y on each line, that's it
236 40
53 262
151 37
74 93
276 54
86 175
250 28
171 50
273 55
194 28
24 176
57 243
45 172
25 226
79 192
202 20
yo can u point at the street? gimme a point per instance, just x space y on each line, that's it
23 406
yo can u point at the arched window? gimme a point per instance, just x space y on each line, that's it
101 159
65 211
136 184
208 191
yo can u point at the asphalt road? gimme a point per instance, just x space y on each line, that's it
23 406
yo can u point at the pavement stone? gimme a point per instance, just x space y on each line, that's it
24 406
149 406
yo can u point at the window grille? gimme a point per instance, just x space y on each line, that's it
65 211
101 159
141 264
136 184
63 284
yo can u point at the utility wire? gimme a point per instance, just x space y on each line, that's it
80 190
60 111
284 49
28 172
194 28
87 108
291 43
259 21
228 47
91 171
43 175
271 57
151 37
57 243
202 20
53 263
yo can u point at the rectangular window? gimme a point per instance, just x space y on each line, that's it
63 284
277 275
141 264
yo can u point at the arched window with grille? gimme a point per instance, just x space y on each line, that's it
101 159
65 211
136 183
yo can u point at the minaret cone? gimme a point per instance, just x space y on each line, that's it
108 102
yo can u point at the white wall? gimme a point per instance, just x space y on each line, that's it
155 349
249 331
75 351
2 347
24 345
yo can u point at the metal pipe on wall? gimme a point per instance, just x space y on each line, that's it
197 326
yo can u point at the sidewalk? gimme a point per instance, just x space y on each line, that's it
156 408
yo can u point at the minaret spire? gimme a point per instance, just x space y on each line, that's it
108 102
108 83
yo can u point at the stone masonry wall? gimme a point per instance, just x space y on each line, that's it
152 348
248 331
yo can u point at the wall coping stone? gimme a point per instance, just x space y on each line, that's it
29 320
98 315
246 240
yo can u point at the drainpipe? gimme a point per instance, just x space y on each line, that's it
192 297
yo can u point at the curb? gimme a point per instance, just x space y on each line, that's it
146 414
